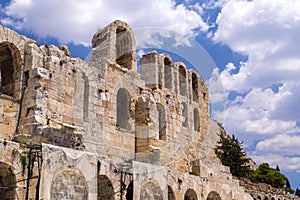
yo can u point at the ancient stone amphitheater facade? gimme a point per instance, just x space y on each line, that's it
71 129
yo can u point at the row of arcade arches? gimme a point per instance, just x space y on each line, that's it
123 114
183 86
149 191
262 197
71 183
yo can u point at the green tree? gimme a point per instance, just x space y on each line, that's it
287 184
265 174
297 192
287 187
231 154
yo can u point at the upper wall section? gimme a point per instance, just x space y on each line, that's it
160 72
115 43
12 55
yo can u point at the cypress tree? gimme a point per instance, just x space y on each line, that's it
231 154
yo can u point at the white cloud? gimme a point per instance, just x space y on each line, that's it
286 163
267 31
262 111
265 106
77 20
281 144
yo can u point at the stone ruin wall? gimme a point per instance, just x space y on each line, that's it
137 132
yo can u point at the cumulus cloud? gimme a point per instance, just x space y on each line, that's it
261 111
280 144
76 21
264 91
267 31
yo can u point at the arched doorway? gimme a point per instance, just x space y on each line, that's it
151 191
190 195
171 195
105 188
69 184
7 182
213 196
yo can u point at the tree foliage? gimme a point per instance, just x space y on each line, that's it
231 154
297 192
265 174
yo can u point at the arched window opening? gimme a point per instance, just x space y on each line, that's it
7 182
195 90
168 73
161 122
124 48
105 188
196 120
213 196
182 81
123 109
8 66
190 195
184 114
171 195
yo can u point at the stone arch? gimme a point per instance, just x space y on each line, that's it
266 198
168 73
129 191
123 109
273 198
171 194
10 67
116 43
182 80
258 198
124 47
190 195
161 121
8 183
151 191
69 184
213 196
105 188
195 87
196 120
184 114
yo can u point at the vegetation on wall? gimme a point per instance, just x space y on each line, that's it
229 150
297 192
265 174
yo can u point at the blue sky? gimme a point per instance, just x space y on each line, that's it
247 51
